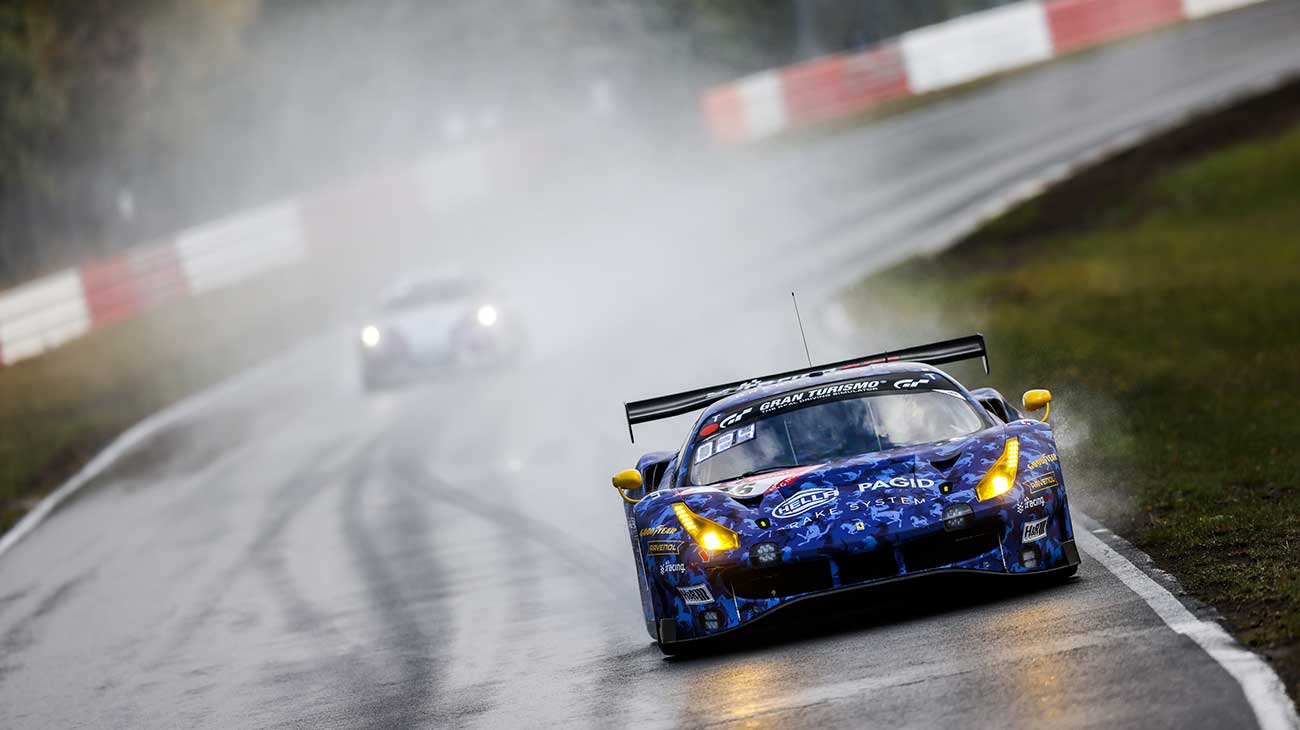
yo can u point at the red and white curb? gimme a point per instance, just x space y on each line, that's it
933 58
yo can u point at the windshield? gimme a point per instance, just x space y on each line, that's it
785 432
430 292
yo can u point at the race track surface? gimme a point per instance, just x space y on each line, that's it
299 555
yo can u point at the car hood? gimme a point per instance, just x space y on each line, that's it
431 327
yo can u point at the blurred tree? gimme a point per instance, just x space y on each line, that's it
91 91
193 109
32 104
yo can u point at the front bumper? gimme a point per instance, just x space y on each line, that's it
740 592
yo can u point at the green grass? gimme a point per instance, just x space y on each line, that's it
1159 298
59 409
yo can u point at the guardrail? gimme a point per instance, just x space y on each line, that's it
55 309
50 311
931 59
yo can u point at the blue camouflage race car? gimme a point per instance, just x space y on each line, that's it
845 475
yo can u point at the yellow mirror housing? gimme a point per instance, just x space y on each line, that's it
626 480
1036 399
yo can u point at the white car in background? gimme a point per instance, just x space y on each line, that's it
428 324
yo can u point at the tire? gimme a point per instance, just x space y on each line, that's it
676 649
691 648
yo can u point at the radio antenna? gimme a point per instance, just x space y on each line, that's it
802 336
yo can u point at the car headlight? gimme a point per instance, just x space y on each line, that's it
764 554
1003 474
705 532
371 336
488 315
958 517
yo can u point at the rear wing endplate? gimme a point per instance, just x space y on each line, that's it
667 406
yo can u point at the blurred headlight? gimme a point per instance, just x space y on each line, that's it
705 532
370 336
487 315
1003 474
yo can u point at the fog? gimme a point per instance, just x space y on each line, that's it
557 148
554 147
288 546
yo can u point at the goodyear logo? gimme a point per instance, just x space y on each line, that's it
808 499
1040 461
658 530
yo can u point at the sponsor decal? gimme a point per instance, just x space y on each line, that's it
744 433
733 419
755 383
888 504
1042 460
658 530
1041 483
809 499
830 391
744 490
764 483
897 483
811 517
696 595
667 568
885 501
708 430
907 383
704 451
720 444
1030 503
724 442
663 547
1034 531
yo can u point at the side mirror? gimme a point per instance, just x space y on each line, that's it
1037 399
625 481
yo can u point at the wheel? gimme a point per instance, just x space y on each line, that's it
692 648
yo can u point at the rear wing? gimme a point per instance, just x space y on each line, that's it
667 406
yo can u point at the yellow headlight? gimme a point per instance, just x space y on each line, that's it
1003 474
705 532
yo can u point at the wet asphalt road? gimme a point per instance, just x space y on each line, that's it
298 555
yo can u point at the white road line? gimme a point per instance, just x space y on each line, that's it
1263 688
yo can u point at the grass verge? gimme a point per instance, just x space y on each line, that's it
58 410
1158 295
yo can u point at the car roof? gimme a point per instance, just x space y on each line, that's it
812 381
414 281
